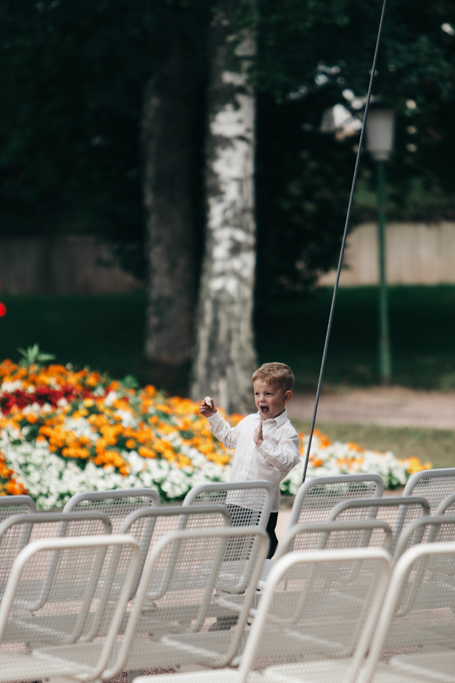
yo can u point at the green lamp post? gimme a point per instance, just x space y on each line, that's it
380 129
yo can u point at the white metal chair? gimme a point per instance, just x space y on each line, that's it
435 529
397 511
305 630
447 506
433 485
178 599
117 504
149 525
416 639
249 502
316 497
70 637
330 536
16 505
335 535
17 531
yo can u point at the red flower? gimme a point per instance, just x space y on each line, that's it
2 309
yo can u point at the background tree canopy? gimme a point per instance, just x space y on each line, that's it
73 74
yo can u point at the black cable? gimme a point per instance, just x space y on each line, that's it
343 243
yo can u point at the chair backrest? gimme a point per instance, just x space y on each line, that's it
16 505
181 595
433 485
446 506
416 624
316 497
309 624
19 530
435 529
335 536
56 632
249 502
397 511
116 504
148 526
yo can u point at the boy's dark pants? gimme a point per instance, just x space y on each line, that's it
245 517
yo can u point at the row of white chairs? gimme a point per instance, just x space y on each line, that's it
325 616
165 585
348 616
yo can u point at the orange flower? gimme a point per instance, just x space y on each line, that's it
162 407
146 452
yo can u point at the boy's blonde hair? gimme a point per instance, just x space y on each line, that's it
278 373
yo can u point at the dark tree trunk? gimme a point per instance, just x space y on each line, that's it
169 146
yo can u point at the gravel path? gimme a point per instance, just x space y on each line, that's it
386 406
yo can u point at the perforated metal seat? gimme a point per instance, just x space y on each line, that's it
306 629
436 529
148 526
178 599
336 536
49 637
116 504
331 536
446 506
433 485
249 502
16 505
416 636
397 511
316 497
18 530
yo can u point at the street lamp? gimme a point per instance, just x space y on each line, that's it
379 129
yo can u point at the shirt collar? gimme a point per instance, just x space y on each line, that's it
279 419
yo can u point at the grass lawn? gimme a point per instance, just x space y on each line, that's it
104 332
107 332
422 324
433 445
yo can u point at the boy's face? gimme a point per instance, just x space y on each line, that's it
270 399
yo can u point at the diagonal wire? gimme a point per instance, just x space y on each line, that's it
343 243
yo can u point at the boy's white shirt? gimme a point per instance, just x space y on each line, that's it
272 460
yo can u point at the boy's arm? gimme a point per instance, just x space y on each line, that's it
223 431
283 456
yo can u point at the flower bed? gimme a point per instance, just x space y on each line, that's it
63 432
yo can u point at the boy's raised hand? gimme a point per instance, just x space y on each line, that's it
205 409
258 436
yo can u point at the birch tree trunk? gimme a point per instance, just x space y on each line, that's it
168 146
225 356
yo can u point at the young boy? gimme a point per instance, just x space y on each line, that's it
266 444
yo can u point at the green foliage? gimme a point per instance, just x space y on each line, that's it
72 76
310 56
33 356
130 382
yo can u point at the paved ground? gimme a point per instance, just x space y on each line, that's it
386 406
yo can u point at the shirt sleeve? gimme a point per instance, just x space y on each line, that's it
223 431
283 456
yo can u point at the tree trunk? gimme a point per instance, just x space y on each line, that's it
169 142
225 356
